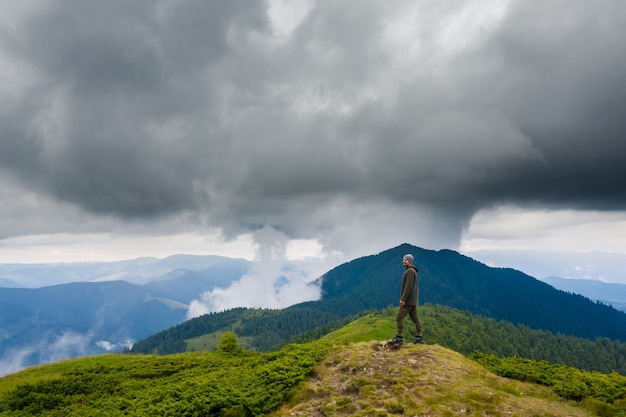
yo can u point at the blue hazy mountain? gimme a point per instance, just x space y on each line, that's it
9 283
609 293
60 321
54 322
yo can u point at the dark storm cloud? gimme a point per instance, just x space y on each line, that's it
147 108
118 117
557 73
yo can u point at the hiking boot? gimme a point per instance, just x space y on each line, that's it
396 341
418 339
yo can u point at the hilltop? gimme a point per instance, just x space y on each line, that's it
366 379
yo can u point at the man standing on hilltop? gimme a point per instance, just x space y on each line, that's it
408 302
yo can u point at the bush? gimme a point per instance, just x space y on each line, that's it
228 344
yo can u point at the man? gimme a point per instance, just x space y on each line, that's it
408 302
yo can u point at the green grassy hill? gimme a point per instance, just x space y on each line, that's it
347 372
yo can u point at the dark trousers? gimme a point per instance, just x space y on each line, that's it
410 311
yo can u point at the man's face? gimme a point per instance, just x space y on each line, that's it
405 262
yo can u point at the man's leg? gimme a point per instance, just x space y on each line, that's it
402 313
415 319
418 325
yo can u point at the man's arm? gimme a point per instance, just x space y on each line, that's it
408 281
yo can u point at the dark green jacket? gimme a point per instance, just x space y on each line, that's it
410 289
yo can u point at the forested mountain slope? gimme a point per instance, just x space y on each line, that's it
451 279
458 330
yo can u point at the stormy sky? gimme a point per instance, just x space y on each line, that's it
302 128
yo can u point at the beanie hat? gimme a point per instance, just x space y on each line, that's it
409 258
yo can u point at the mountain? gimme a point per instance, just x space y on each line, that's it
39 325
602 266
185 284
608 293
451 279
55 322
137 271
52 323
9 283
447 278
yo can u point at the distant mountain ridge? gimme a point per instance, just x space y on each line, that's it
610 293
595 265
9 283
136 271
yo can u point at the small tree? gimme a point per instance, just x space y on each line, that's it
228 344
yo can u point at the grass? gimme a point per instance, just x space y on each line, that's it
359 376
183 384
366 328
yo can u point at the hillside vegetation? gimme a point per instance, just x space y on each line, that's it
230 381
348 372
458 330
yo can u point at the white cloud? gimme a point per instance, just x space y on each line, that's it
197 308
13 360
580 244
115 347
50 348
271 283
66 345
518 228
286 15
103 247
300 249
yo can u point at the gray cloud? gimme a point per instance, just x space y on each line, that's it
567 96
155 109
